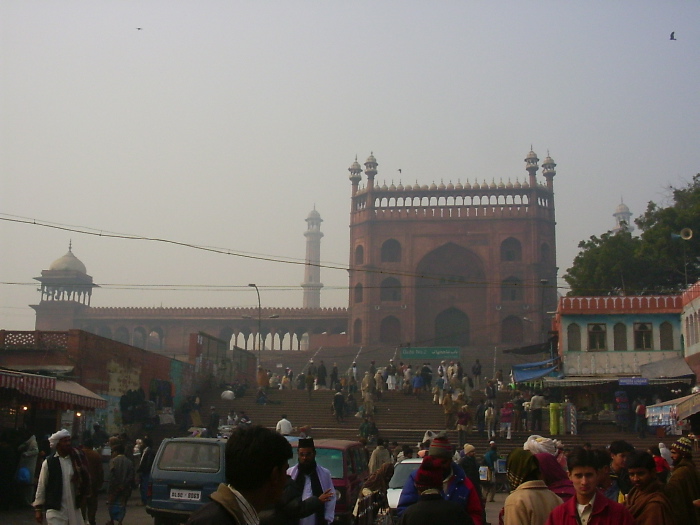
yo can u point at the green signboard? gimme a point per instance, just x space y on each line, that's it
430 353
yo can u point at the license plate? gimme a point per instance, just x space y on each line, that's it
186 495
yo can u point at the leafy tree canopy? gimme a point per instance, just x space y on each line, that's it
658 261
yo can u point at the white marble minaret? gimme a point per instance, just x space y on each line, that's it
312 271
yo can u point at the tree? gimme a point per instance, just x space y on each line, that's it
658 261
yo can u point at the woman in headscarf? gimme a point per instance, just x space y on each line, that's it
554 476
530 501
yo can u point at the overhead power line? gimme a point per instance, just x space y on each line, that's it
455 281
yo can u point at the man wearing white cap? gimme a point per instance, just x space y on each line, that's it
63 484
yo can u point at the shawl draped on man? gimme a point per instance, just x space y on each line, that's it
650 506
682 488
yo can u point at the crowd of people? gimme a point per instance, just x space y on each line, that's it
60 475
613 485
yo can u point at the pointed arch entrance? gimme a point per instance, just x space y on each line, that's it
450 298
452 328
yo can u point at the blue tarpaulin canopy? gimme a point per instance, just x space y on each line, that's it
530 371
524 366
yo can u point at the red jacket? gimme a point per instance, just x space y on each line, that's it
605 512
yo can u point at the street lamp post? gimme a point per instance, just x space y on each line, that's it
253 285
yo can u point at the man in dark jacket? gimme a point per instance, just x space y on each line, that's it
471 467
94 462
457 487
257 459
431 507
144 469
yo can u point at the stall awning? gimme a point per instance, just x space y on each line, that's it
688 406
73 393
666 368
670 402
31 384
577 381
53 370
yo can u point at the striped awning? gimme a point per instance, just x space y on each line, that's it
72 393
31 384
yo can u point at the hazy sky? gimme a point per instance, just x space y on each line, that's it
223 123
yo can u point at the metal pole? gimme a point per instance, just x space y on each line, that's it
253 285
543 328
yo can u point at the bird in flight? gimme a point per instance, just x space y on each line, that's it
139 28
399 170
673 35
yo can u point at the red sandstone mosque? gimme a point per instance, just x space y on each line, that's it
468 264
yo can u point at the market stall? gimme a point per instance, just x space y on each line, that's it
667 415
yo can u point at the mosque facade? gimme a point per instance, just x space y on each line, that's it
456 264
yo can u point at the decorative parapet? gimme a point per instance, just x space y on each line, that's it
692 293
454 201
614 304
215 312
14 339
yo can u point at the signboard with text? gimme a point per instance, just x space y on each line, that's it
430 353
633 381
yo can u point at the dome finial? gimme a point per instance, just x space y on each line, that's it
70 245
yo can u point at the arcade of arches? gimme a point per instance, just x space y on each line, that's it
277 333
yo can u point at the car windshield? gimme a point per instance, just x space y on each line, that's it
191 457
401 473
329 458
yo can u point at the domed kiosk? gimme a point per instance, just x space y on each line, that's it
66 280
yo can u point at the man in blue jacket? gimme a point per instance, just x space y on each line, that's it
455 487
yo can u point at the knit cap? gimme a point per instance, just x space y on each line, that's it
468 448
430 474
683 446
440 447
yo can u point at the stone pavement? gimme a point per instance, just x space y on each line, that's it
135 514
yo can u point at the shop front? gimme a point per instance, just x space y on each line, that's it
608 402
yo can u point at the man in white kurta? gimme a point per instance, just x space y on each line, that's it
307 463
68 514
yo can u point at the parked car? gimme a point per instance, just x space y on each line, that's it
185 472
401 473
347 462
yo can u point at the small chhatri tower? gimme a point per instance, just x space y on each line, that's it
623 219
66 288
312 270
459 264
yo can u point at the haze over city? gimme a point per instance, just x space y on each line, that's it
223 124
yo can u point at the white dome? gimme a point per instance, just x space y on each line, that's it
68 263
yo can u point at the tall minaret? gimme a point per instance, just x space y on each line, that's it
623 218
312 271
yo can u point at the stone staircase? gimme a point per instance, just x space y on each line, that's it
399 418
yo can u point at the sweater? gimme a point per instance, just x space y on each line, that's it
605 512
